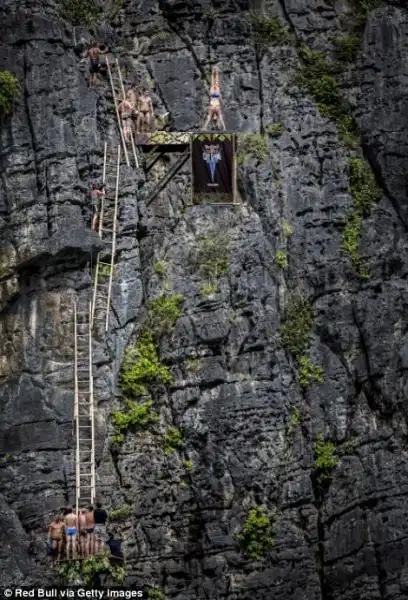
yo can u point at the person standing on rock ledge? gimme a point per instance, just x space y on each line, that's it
100 518
93 53
71 530
96 193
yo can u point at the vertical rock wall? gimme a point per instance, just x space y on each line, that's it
235 387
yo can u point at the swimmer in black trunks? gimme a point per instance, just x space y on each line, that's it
93 54
145 113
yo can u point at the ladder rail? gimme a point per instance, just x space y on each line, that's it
76 413
91 412
122 137
132 140
115 216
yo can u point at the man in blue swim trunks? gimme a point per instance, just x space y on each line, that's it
214 110
71 531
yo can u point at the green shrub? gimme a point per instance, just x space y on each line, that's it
257 535
294 420
268 32
155 593
274 129
173 439
183 484
286 228
188 465
308 372
141 366
136 416
103 271
347 47
160 267
208 289
163 34
163 312
120 513
281 259
193 364
9 90
81 12
211 256
320 78
325 459
298 325
252 145
366 193
363 185
89 571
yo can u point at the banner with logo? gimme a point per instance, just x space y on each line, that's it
213 168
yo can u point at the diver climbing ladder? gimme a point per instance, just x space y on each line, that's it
118 91
108 216
83 409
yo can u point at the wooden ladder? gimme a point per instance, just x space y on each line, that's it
108 217
118 91
84 409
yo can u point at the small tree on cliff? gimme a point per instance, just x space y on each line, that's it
9 90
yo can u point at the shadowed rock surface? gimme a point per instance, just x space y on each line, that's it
235 386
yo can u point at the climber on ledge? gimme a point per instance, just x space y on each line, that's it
90 525
125 109
214 110
100 517
96 193
71 530
145 113
93 53
56 537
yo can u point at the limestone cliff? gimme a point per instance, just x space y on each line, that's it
289 367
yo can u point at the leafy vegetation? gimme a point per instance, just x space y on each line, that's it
286 228
193 364
155 593
268 32
257 536
164 312
366 193
160 267
211 257
9 90
325 459
188 465
320 77
86 12
294 420
173 439
120 513
298 325
281 259
274 129
141 366
308 372
81 12
208 289
135 417
347 47
91 572
252 145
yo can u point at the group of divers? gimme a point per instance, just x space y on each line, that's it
73 535
137 113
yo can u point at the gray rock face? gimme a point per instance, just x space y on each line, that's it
234 386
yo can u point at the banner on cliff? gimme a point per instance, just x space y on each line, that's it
213 168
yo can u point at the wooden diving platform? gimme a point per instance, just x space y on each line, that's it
163 141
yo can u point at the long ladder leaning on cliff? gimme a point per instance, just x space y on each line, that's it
117 87
108 217
84 409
